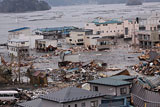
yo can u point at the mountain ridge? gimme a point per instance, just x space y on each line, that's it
18 6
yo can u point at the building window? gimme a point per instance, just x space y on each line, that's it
87 24
69 106
94 103
76 105
22 42
126 31
70 39
80 34
83 105
80 40
95 88
145 37
149 37
123 90
98 32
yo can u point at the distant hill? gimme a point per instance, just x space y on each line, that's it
77 2
134 2
16 6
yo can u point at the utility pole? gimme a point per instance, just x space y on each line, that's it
19 64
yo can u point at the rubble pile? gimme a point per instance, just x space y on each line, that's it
151 66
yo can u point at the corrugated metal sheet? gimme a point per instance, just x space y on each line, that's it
141 96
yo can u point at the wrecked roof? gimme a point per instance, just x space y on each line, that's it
110 82
71 94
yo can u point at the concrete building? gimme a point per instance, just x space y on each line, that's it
68 97
46 45
77 36
104 43
17 47
110 28
24 34
131 26
55 33
17 33
90 41
113 28
149 31
97 42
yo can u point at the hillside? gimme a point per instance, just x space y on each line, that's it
134 2
79 2
17 6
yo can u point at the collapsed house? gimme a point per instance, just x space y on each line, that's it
143 94
46 45
37 77
151 66
5 75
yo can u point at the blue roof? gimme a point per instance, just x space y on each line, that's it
19 29
106 22
110 82
56 29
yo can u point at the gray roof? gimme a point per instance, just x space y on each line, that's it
110 82
33 103
123 77
71 94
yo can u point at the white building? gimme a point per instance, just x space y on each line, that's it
77 36
17 47
149 31
112 28
46 45
130 28
90 41
24 34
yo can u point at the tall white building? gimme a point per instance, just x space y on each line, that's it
113 28
149 31
18 47
24 34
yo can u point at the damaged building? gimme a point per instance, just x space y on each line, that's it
55 33
37 77
46 45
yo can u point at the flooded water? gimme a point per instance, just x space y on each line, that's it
70 16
